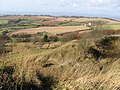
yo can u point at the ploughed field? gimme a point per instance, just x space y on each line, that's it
52 30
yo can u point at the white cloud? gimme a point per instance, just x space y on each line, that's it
98 4
92 6
105 3
41 2
74 5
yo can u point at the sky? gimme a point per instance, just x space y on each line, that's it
77 7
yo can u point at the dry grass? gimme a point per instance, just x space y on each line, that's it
52 30
65 61
68 64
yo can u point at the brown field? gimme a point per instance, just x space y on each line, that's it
96 19
61 19
51 23
52 30
27 17
65 19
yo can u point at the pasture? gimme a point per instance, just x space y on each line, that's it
113 27
3 21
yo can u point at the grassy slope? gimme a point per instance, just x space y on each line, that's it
68 64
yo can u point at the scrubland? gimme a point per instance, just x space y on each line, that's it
71 61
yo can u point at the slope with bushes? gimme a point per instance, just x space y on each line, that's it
71 66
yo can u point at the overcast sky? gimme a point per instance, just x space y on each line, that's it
99 7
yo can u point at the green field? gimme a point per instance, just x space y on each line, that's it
3 21
30 21
23 24
112 27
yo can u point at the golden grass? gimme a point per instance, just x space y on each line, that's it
69 65
52 30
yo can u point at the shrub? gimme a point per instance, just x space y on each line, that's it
36 39
69 37
2 47
97 34
23 40
42 33
24 37
45 38
8 82
106 41
5 32
6 79
3 40
95 53
53 38
47 82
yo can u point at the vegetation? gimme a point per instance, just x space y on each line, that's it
78 59
8 82
22 37
3 21
3 40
